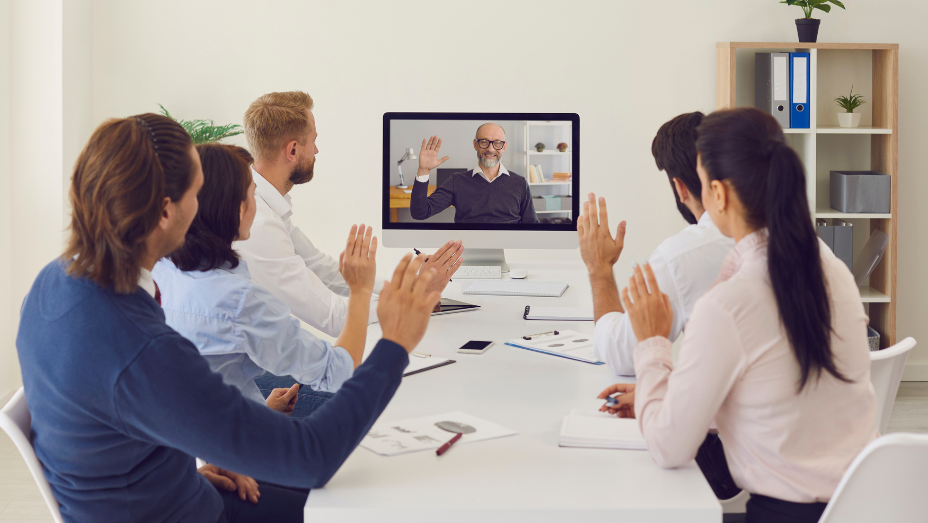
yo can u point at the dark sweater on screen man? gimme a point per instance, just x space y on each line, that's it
506 200
121 404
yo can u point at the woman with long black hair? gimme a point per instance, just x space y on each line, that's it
775 352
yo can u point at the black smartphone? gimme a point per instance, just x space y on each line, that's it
475 347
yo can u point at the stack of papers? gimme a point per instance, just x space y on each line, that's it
600 430
412 435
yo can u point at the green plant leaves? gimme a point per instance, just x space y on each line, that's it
823 7
205 131
809 5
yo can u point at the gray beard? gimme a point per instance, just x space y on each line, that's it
489 164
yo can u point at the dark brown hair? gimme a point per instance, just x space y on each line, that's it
226 179
674 151
746 147
120 180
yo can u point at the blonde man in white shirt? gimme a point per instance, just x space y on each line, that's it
685 264
281 133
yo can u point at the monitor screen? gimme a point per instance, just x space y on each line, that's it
481 171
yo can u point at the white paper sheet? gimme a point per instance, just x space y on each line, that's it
413 435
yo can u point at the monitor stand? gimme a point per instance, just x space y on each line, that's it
486 257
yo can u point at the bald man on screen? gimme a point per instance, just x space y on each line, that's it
488 193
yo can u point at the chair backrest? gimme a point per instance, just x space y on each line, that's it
885 482
886 368
15 420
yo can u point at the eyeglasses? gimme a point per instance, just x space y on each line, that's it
498 144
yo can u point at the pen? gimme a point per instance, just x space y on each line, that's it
441 450
420 355
530 336
612 402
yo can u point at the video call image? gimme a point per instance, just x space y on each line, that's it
480 172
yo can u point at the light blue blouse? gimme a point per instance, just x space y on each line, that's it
243 330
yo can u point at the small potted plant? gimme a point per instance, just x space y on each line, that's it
540 147
807 27
562 147
852 101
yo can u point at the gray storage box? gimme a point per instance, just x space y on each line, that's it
566 203
839 237
539 204
873 337
860 191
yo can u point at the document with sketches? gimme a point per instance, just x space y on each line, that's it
413 435
565 344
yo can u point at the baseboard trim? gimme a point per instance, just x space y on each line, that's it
915 372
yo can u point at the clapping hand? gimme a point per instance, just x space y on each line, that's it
428 155
648 308
446 261
220 478
597 247
406 303
357 262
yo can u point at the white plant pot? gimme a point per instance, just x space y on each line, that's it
849 119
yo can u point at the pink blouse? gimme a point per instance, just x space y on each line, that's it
737 368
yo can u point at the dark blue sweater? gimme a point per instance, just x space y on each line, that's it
507 200
121 403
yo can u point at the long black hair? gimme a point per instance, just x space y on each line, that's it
674 151
746 147
226 181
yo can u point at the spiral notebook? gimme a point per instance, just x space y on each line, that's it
544 289
558 313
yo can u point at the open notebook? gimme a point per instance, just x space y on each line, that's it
600 430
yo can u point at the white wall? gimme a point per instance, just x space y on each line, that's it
624 67
49 120
8 366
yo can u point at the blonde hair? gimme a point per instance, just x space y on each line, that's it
275 119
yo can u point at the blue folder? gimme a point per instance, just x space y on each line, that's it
799 103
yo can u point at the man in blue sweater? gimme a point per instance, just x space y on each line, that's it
488 193
121 403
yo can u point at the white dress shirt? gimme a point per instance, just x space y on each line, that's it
475 171
283 260
685 265
147 282
738 369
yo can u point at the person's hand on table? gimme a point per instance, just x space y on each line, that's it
283 400
226 480
357 262
648 308
625 408
598 249
406 302
446 261
428 155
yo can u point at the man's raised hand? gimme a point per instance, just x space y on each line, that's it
428 155
357 262
598 248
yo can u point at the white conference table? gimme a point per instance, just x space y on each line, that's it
525 477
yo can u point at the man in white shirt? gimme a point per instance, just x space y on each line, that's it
281 133
685 265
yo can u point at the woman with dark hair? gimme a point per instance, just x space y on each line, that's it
238 326
775 353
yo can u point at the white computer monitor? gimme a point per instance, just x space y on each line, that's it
487 217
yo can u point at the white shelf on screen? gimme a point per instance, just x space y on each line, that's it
870 295
863 129
550 152
828 212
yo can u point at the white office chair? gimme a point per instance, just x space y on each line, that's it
15 420
885 482
886 368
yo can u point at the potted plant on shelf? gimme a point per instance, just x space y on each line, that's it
205 131
807 27
540 147
850 102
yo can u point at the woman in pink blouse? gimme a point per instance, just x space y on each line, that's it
775 353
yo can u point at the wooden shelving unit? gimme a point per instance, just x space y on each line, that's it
874 71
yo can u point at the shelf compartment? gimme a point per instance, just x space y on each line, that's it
552 153
870 295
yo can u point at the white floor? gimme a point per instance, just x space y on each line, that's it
20 499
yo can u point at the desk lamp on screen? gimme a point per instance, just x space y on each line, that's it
509 182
